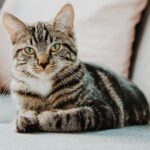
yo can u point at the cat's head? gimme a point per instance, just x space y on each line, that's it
42 49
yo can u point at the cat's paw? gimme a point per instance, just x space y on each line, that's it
26 125
45 121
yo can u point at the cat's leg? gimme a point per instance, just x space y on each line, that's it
26 122
74 120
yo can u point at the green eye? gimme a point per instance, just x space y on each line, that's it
29 51
55 47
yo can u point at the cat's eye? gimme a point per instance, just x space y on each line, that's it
56 47
29 51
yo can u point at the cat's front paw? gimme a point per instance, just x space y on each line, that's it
46 122
26 125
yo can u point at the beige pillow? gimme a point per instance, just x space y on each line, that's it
104 29
141 75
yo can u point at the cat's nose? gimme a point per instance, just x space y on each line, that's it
44 65
43 60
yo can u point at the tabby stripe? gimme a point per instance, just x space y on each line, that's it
70 48
89 123
16 53
68 73
108 120
113 95
106 95
111 103
46 34
31 42
28 74
68 117
89 120
65 82
97 118
33 34
51 39
20 64
61 93
65 93
29 94
68 58
38 32
67 100
69 84
96 106
58 122
81 118
63 104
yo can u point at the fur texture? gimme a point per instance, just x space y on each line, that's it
57 92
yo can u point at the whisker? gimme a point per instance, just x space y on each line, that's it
5 91
5 82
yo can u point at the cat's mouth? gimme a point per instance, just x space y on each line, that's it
44 73
40 69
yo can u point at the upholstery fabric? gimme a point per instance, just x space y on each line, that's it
141 74
130 138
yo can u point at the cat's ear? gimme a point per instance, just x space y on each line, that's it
13 26
64 19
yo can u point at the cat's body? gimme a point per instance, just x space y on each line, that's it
59 93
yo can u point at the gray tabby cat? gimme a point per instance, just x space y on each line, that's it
57 92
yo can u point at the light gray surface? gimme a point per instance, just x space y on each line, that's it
137 138
7 109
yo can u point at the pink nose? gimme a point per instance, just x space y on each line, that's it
43 60
44 65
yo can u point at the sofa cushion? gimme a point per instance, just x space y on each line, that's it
141 73
130 138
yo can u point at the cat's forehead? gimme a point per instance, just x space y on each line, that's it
40 27
42 34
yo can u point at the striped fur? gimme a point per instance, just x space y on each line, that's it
57 92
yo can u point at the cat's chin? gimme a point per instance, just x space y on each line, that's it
43 76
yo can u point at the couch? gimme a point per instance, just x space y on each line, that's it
135 137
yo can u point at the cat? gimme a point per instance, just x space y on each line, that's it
56 92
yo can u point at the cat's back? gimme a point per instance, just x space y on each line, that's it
123 92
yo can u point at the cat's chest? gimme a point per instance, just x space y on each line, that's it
41 87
